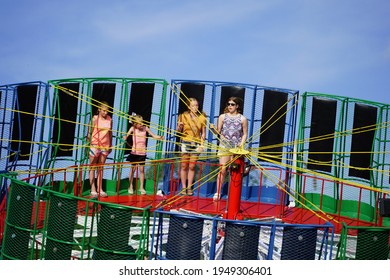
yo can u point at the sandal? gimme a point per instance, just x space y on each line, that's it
190 192
130 191
94 194
216 197
103 194
183 191
142 191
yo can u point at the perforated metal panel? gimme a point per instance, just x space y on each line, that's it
60 229
200 237
18 223
372 244
240 242
364 243
299 243
113 235
63 226
184 239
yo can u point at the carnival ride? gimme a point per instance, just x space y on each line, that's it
312 182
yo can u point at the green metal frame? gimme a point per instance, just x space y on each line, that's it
84 116
345 252
379 160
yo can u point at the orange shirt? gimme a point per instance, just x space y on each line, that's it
192 128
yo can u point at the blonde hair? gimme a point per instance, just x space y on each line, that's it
100 105
136 119
188 104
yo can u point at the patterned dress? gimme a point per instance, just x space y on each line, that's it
232 130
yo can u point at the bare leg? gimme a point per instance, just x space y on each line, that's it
142 178
131 177
184 173
102 160
221 176
191 174
92 160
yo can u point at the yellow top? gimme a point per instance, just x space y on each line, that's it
192 127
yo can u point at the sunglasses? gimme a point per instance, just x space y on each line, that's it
231 104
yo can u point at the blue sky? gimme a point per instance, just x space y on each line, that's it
327 46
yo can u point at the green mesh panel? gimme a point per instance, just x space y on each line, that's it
113 235
15 244
19 212
20 206
60 228
68 227
60 186
364 243
372 244
386 222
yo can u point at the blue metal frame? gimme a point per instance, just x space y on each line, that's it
212 115
156 250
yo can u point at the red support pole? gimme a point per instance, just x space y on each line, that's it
234 199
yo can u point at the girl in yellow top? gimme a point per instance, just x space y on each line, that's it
192 125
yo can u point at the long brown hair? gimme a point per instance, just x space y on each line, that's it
236 100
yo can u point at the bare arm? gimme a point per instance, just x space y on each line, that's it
110 137
203 136
131 129
154 135
244 131
90 129
180 124
221 118
203 120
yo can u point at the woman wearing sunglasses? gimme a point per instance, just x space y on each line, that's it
233 130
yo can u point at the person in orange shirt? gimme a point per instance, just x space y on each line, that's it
137 155
192 130
100 138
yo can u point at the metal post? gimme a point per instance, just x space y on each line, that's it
235 187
